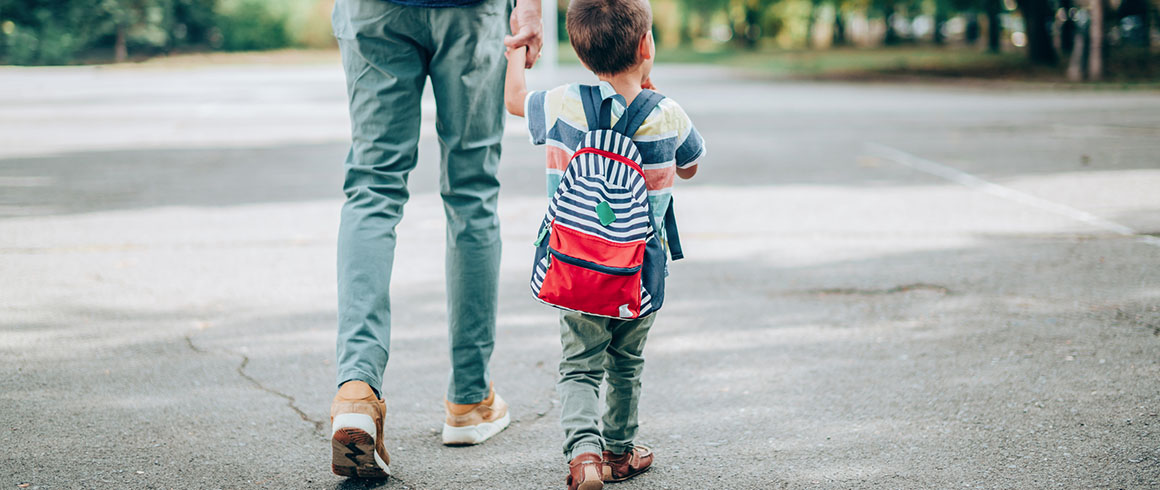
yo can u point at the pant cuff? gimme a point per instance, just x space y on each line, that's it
469 399
619 448
584 447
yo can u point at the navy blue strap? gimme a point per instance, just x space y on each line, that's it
606 110
671 234
597 109
637 112
591 98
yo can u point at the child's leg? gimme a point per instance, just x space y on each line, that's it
624 365
584 339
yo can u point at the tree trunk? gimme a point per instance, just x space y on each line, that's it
891 36
1075 66
1141 32
971 33
839 29
685 34
1146 27
994 28
1067 28
813 18
120 47
1096 43
1036 15
751 32
940 19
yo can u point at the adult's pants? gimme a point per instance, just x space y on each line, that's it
388 52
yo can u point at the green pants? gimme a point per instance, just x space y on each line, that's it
594 346
388 52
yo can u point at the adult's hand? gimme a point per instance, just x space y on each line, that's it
527 29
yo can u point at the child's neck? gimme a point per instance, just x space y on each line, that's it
626 83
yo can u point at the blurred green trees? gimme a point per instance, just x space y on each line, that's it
1049 32
58 31
64 31
1046 30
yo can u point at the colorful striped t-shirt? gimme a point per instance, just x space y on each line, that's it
666 140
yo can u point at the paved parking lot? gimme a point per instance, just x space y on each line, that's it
887 286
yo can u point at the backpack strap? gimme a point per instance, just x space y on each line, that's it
671 234
590 96
637 112
597 109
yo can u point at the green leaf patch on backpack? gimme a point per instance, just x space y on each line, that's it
604 212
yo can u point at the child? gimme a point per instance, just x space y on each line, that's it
613 40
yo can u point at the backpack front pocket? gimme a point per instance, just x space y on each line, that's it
593 275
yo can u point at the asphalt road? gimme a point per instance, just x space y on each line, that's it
887 286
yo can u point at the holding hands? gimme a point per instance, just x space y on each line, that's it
527 30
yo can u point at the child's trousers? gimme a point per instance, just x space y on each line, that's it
594 346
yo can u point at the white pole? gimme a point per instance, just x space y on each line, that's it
549 55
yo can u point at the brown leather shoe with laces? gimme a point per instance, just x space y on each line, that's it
620 467
584 472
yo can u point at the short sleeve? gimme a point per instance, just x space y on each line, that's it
691 146
536 113
541 109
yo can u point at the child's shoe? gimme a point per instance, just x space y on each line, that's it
620 467
472 424
356 436
584 472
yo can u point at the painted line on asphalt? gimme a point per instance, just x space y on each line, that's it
958 176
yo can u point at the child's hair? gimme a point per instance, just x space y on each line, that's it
606 33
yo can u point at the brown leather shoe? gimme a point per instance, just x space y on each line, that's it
620 467
356 436
470 424
584 472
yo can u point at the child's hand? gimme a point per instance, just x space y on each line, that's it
517 56
647 84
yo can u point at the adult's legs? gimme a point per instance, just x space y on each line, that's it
386 67
467 75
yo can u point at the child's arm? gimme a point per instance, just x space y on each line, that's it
691 168
687 172
691 150
515 88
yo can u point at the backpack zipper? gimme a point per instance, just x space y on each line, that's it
615 271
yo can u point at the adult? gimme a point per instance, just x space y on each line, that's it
389 49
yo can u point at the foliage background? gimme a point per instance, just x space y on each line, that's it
34 32
1040 33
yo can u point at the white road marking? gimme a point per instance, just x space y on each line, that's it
960 177
25 181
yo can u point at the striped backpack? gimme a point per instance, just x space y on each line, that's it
598 250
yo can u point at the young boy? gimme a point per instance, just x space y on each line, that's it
613 39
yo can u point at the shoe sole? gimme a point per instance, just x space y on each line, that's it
609 478
353 455
474 434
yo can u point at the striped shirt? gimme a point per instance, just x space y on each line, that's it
666 140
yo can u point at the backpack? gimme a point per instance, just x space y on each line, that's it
598 250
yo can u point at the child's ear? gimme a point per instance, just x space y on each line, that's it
646 50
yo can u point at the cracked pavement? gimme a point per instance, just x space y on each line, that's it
843 319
